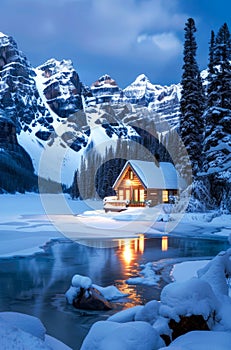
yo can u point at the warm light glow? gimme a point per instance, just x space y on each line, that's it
129 248
164 243
141 244
128 182
165 196
127 253
136 245
120 244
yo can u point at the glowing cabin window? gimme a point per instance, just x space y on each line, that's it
136 195
142 195
127 194
121 194
131 175
165 196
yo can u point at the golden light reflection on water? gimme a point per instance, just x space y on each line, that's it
130 247
128 252
164 243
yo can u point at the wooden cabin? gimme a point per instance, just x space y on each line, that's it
146 183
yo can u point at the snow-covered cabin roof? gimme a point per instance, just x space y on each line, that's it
151 175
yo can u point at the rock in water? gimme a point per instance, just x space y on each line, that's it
91 299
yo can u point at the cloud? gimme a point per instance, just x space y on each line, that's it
162 41
105 33
112 27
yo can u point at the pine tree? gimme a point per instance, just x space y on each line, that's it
211 72
217 136
192 100
74 188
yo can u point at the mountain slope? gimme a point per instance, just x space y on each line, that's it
164 100
49 110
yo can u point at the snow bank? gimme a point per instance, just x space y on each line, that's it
149 312
15 338
106 335
127 315
21 331
193 297
27 323
55 344
149 276
217 271
184 270
201 340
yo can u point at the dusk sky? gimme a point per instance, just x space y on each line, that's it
123 38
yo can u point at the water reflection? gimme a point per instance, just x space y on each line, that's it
36 285
130 248
164 243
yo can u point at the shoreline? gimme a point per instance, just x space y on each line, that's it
26 227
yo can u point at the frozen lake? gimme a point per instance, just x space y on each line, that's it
36 285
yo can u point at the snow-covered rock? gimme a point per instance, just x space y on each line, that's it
106 335
192 297
20 331
201 340
55 344
15 338
127 315
216 272
84 282
26 323
79 281
110 292
149 313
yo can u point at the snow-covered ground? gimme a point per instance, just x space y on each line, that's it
20 331
29 221
206 295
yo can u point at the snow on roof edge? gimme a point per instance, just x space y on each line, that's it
145 171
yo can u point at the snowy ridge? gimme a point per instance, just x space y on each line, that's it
164 100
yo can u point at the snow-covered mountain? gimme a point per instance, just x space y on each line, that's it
61 86
163 100
105 89
48 107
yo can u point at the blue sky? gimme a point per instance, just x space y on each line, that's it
123 38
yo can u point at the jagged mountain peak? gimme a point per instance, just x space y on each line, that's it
104 80
60 84
54 66
142 78
2 35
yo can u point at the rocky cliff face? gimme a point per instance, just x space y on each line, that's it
163 100
19 97
105 89
61 86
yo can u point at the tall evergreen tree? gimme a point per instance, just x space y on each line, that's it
192 100
74 188
217 136
222 50
211 72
